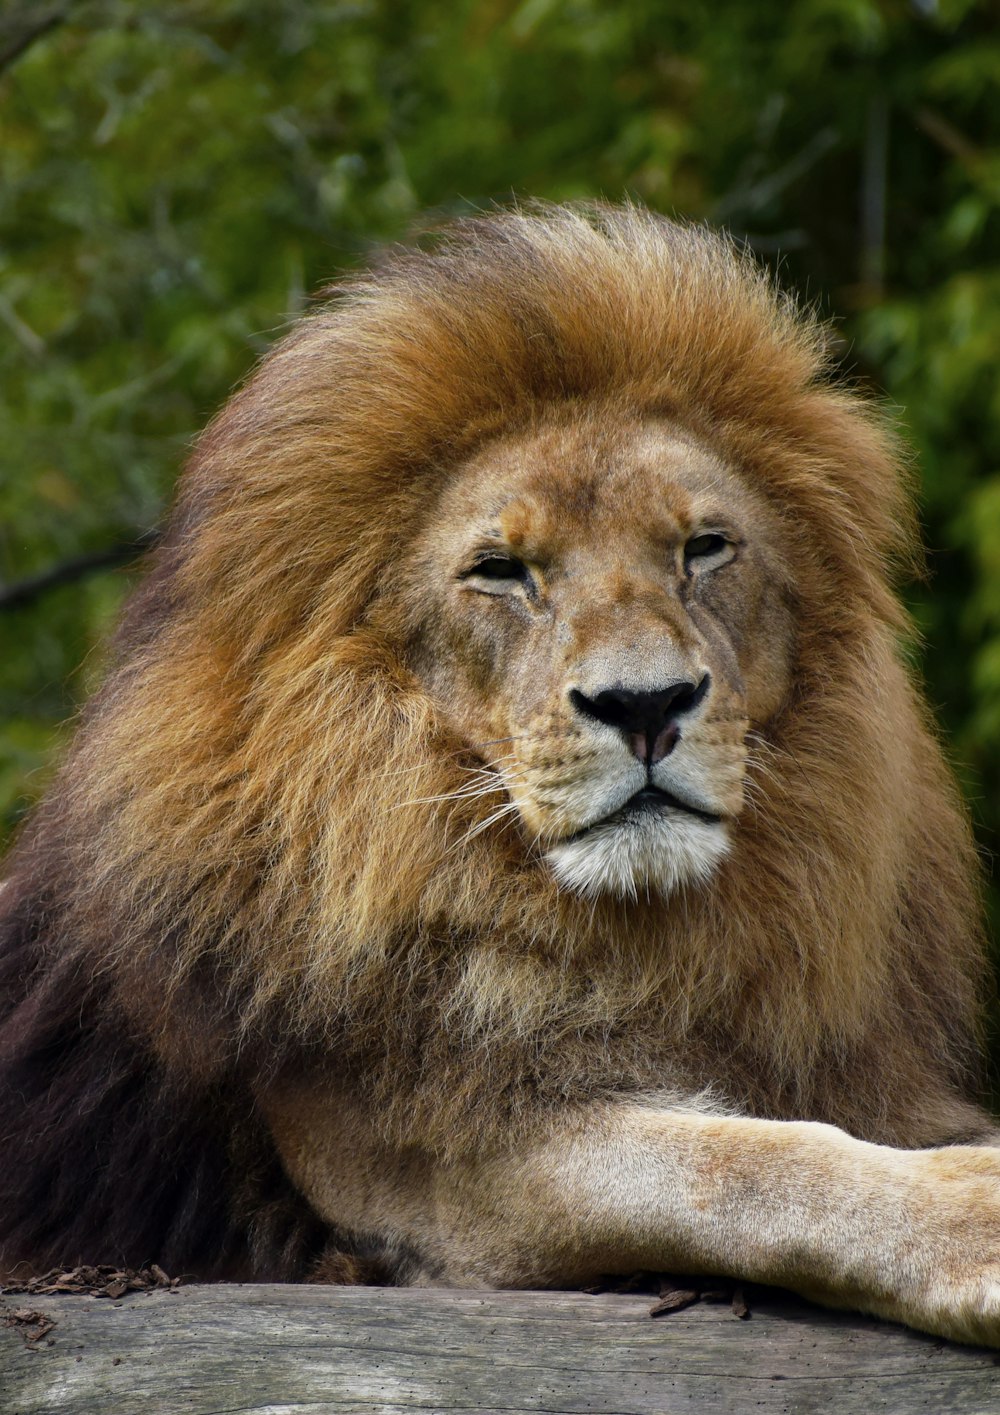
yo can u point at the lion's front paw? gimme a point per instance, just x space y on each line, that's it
950 1257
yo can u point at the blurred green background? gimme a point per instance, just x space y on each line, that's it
176 179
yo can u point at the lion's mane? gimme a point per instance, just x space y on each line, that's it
243 869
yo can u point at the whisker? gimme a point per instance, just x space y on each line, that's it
498 741
431 765
488 784
491 769
761 744
467 794
508 809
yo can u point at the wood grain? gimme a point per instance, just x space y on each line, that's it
268 1350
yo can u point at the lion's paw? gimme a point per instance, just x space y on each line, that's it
950 1259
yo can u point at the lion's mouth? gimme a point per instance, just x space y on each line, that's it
651 800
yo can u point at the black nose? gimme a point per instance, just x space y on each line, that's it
648 720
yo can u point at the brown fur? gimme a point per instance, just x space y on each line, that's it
246 871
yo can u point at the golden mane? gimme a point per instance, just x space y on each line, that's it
249 814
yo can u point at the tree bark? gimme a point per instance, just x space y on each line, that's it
269 1350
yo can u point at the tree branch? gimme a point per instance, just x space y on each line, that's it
25 592
25 31
948 137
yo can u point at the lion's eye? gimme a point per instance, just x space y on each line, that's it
497 573
499 567
706 550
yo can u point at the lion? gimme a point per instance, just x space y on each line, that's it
509 846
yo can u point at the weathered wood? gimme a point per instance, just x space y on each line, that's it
262 1350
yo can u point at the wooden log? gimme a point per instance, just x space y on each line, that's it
269 1350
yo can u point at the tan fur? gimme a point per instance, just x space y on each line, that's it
289 787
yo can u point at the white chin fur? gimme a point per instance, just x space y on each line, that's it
634 857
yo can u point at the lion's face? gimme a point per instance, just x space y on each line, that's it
601 611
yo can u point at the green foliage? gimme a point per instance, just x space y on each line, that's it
177 178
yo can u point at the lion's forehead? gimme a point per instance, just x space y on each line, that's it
595 495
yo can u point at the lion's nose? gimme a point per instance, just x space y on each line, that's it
649 720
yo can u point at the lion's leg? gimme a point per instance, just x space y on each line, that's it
912 1235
